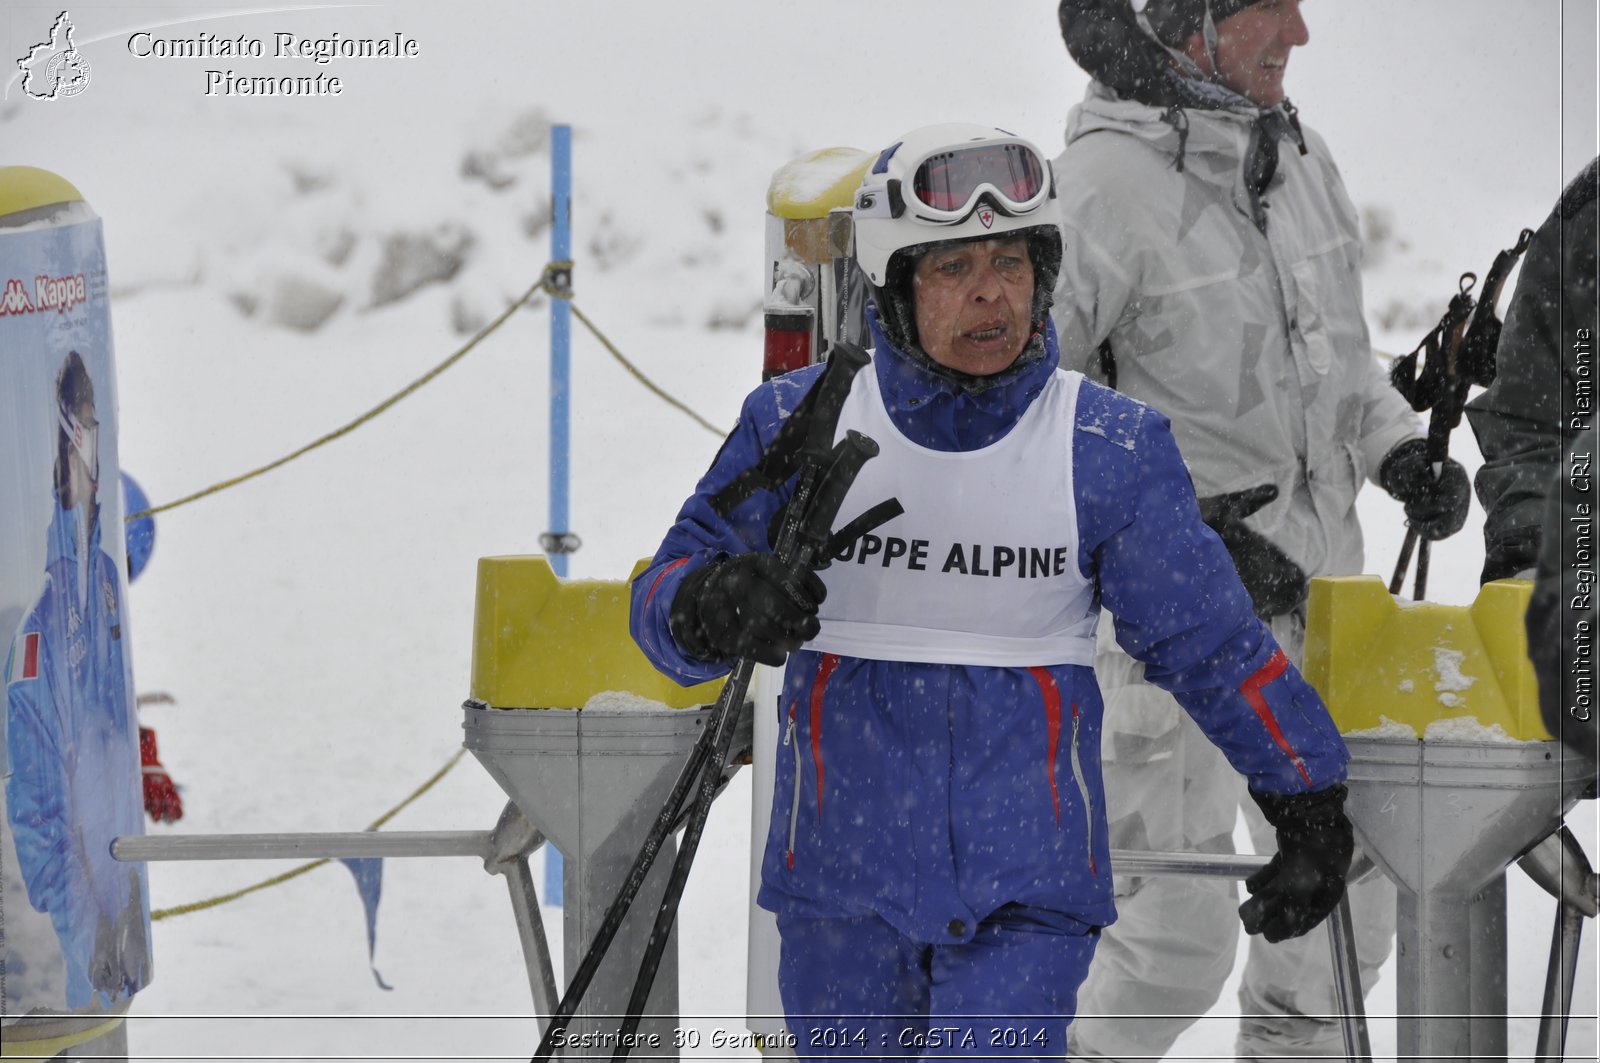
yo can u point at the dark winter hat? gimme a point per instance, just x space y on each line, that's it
1175 21
1108 41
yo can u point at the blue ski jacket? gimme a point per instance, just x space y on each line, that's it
934 794
72 760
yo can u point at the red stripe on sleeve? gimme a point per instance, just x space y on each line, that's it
661 576
830 661
1251 689
1052 718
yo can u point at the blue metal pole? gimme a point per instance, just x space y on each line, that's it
560 394
560 336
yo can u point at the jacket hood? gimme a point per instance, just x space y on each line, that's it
1220 131
1237 146
940 408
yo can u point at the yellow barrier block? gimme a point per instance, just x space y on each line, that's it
1372 657
804 191
817 182
541 642
20 1045
28 187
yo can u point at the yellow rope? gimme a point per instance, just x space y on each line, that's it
640 377
184 909
505 315
546 283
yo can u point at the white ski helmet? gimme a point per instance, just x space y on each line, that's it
949 182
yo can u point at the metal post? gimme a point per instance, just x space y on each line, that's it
560 336
592 781
1562 972
504 851
357 844
1341 932
512 839
1347 982
560 394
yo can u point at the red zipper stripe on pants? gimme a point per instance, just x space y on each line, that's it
829 662
1052 719
1251 689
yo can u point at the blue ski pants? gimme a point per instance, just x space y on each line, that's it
857 987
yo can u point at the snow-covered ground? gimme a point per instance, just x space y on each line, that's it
315 624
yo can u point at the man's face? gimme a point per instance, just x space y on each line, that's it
973 302
1253 48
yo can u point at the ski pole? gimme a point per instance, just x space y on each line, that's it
637 873
1399 578
805 440
804 535
1458 353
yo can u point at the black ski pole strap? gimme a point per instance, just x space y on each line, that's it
871 520
1461 351
1483 334
1438 348
809 429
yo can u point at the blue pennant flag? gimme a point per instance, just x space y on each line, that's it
368 872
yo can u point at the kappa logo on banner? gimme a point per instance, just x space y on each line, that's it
54 69
986 217
49 293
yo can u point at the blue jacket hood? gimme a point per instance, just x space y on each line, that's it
935 411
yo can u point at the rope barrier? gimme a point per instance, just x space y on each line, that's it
640 377
552 282
185 909
425 378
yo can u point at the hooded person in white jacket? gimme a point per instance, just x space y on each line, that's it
1212 270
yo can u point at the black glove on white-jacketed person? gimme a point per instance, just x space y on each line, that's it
1436 506
1276 584
747 605
1305 880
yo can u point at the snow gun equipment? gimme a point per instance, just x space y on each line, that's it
803 449
1458 353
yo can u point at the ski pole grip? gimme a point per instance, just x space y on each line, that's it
852 452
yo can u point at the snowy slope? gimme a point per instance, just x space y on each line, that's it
315 624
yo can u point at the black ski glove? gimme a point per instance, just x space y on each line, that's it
1305 879
746 606
1276 584
1435 506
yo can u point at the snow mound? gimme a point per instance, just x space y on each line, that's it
1455 729
1388 728
1447 665
619 702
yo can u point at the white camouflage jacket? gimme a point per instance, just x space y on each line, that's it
1253 344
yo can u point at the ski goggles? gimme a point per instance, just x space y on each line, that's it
85 439
947 185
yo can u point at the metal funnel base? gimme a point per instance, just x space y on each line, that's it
1443 819
593 783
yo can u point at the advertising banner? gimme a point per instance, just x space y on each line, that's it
75 924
